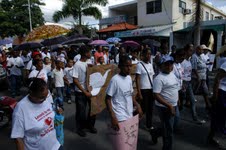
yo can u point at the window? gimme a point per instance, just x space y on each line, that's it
182 6
207 16
212 17
154 6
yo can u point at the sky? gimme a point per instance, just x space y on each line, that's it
54 5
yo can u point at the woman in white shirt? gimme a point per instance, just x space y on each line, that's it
144 83
33 120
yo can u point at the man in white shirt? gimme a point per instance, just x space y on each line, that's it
165 89
83 120
15 64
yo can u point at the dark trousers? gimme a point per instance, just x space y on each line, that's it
167 127
147 105
15 82
68 91
83 107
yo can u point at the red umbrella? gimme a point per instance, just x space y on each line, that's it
131 44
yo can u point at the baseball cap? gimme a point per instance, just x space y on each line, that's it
166 58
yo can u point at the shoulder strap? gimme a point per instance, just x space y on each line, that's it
147 74
38 73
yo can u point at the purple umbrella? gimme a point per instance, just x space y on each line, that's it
130 44
99 42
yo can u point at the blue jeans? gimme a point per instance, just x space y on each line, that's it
60 94
68 91
167 122
190 95
15 82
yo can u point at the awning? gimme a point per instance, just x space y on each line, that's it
163 30
220 27
118 27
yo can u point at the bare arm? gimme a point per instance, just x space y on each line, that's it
162 101
138 86
114 120
139 110
88 94
19 144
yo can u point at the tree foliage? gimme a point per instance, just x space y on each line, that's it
14 17
79 8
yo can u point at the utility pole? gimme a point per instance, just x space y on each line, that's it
29 10
197 23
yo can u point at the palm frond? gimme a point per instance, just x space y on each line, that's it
94 2
92 11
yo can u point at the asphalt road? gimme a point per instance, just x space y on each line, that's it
191 136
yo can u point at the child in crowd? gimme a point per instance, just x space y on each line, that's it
15 64
58 79
134 53
101 61
68 72
48 65
120 98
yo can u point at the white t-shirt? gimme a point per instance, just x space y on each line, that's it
121 91
167 86
106 58
30 66
144 80
135 61
44 55
178 72
58 76
68 72
199 65
25 60
16 62
186 64
79 72
48 68
34 123
41 75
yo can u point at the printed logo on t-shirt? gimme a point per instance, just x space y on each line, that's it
48 121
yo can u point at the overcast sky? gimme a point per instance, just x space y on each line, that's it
53 5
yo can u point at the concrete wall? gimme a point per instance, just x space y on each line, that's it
162 18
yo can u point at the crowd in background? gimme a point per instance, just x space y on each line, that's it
169 80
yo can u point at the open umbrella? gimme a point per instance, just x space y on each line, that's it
130 44
113 40
151 42
45 32
28 46
54 41
99 42
6 41
77 40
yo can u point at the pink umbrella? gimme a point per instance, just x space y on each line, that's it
99 42
131 44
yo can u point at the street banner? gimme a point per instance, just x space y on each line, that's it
127 136
98 78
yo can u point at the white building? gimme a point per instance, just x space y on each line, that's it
158 17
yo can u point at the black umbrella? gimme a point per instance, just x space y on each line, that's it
152 42
75 36
77 40
28 46
54 41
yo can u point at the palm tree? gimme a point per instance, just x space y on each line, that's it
79 8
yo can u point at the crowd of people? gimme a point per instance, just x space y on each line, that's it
169 80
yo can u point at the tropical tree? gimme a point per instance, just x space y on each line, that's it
79 8
15 19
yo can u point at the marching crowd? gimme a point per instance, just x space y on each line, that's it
169 80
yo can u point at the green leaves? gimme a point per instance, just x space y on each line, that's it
15 19
77 8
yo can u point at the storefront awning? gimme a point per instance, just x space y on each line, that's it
163 30
118 27
220 27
